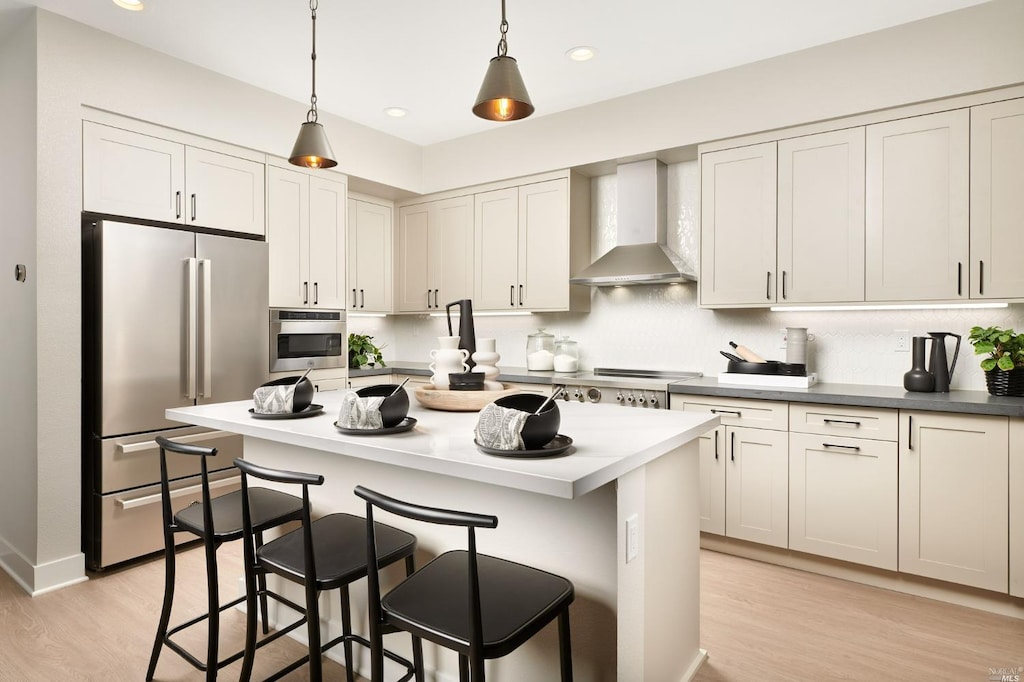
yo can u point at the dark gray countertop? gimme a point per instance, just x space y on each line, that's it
968 402
862 395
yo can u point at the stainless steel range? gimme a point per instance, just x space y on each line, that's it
627 387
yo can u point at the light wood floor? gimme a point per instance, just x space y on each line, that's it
759 622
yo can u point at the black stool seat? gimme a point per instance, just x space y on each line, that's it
269 508
516 602
340 541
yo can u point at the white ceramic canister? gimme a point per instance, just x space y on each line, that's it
796 345
486 359
447 359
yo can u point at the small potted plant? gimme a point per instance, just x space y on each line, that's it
1004 361
363 352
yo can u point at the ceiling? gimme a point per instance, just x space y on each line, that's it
429 57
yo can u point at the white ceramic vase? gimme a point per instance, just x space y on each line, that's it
486 359
447 359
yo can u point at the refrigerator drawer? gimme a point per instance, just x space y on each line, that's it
131 520
133 461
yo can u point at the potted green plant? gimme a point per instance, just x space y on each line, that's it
1004 361
363 352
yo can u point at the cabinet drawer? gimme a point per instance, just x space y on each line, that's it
841 420
760 414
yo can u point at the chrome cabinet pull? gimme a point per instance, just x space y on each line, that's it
841 421
717 411
855 448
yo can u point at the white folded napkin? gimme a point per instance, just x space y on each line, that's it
500 427
273 399
360 413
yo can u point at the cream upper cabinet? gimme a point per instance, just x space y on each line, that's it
917 196
224 192
997 202
435 254
306 235
1016 507
738 225
523 243
370 256
843 488
821 218
140 176
953 498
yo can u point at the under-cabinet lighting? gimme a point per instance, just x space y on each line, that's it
907 306
511 313
367 314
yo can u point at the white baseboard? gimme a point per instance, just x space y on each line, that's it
42 578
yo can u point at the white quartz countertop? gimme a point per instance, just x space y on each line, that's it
608 441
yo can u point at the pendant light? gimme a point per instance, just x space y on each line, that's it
503 95
312 149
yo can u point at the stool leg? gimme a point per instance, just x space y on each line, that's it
313 630
262 578
463 669
417 643
165 610
213 598
346 631
250 622
476 666
564 645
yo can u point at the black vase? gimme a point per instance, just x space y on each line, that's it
919 379
1005 381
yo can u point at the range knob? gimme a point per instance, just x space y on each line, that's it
562 392
578 394
641 400
618 397
630 399
654 401
594 395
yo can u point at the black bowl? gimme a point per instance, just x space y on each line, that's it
303 396
394 408
539 429
466 381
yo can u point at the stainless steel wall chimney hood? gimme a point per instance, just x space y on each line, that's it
640 255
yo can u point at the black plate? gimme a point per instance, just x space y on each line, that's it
558 445
402 426
308 412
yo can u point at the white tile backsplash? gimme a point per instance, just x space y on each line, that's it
661 327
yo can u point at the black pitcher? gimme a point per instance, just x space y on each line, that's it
937 365
467 335
919 379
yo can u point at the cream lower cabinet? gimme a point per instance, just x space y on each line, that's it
369 257
843 495
953 498
1017 507
748 480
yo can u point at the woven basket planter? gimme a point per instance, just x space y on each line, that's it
1005 382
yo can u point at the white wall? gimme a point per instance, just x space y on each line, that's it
977 48
18 300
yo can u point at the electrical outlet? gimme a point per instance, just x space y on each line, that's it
632 537
902 340
782 339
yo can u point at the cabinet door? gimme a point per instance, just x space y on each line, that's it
496 242
543 280
224 192
843 498
451 250
327 236
997 202
953 494
757 486
370 257
917 196
737 234
128 174
288 237
821 218
712 449
1017 507
414 290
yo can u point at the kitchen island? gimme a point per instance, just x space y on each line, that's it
636 614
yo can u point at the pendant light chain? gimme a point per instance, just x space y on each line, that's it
311 115
503 43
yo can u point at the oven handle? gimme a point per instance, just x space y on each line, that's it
145 500
145 445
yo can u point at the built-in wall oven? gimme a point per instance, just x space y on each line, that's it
300 339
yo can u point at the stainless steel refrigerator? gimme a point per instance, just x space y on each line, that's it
170 318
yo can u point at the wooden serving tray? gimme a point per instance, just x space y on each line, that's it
458 401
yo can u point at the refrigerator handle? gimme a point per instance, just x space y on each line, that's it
191 320
206 268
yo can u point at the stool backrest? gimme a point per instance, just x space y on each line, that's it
417 512
280 476
165 492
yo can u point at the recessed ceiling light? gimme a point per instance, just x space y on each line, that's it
133 5
581 53
395 112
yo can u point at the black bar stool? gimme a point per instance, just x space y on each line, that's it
478 605
215 520
326 554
